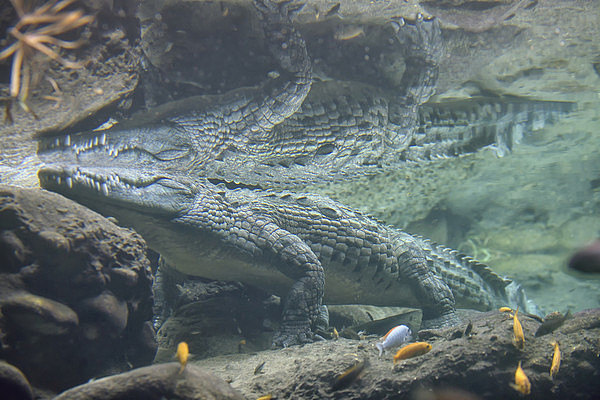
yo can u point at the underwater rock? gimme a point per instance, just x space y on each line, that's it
32 314
13 384
474 16
482 363
105 314
156 382
374 319
215 317
75 291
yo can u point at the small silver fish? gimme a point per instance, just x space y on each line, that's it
259 368
395 337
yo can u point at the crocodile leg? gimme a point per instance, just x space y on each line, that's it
288 47
436 297
260 237
246 117
422 47
164 289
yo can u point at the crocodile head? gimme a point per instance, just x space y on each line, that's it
96 166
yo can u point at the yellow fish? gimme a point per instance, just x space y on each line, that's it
522 383
350 375
183 352
412 350
505 309
518 330
348 32
265 397
555 361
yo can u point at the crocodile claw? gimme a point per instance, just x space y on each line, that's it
284 42
421 38
290 335
422 47
287 8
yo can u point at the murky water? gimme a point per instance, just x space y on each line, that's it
522 209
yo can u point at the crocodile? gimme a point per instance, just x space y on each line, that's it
207 181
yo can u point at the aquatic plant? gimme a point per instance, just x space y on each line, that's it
37 30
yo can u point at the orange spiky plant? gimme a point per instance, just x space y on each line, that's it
37 30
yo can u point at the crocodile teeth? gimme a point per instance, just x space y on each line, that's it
69 182
68 140
104 187
96 141
103 139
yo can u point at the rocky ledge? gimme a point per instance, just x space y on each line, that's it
75 291
480 364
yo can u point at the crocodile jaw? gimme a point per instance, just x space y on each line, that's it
158 147
155 194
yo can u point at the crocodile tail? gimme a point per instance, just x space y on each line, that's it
497 282
461 261
454 128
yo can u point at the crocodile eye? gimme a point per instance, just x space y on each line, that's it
330 212
325 149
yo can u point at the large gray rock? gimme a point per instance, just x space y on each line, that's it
373 319
155 382
13 384
75 291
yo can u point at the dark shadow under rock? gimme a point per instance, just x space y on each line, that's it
217 317
156 382
75 291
